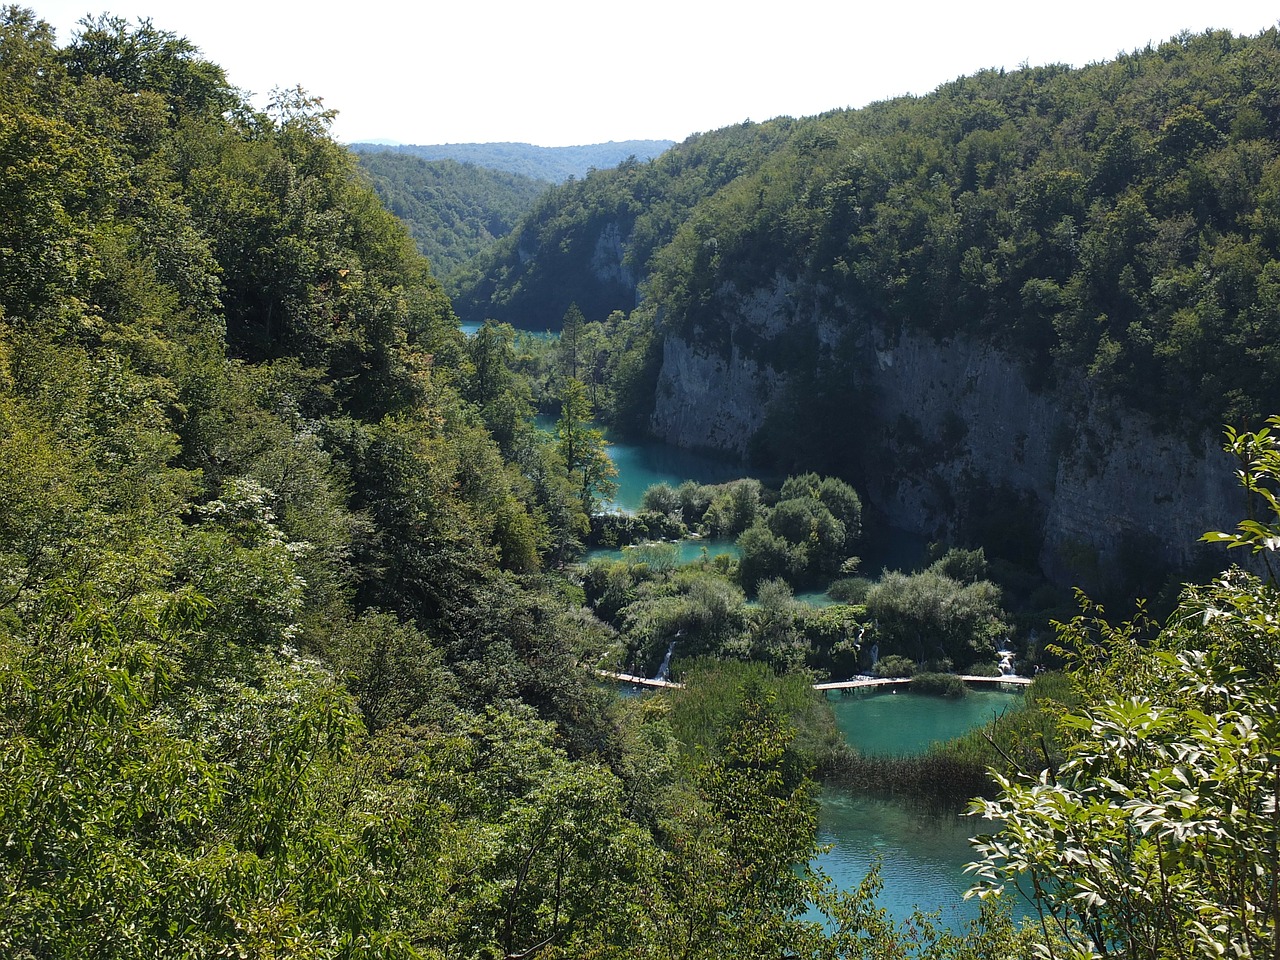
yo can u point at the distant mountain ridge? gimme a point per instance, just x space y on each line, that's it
554 164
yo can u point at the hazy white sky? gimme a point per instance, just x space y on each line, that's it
562 72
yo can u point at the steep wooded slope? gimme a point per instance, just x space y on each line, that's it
279 675
454 211
590 241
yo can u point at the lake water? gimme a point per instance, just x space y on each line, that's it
922 853
641 465
470 330
901 722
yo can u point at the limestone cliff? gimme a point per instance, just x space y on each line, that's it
956 428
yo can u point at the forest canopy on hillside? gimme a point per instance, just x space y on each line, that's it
1119 222
453 210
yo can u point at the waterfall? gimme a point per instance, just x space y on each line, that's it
664 670
1006 658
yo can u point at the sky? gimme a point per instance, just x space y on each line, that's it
569 72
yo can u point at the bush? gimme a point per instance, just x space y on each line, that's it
623 529
894 666
939 684
983 670
852 590
661 498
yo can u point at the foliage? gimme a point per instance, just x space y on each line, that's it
703 713
1258 454
263 565
1157 836
289 660
1115 223
149 821
804 538
698 610
582 448
626 529
894 665
928 614
633 207
940 684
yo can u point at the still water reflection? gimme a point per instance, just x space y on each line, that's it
922 853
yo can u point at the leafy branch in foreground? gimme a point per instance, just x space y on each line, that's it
1259 456
1160 835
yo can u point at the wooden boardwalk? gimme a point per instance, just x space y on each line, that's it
1019 681
640 681
857 683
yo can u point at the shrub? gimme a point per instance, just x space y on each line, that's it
939 684
851 590
894 666
983 670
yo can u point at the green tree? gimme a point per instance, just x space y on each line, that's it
929 616
583 448
733 877
1158 837
572 346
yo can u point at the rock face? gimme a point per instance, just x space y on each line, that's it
608 259
711 401
957 431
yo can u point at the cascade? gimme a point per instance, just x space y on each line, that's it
664 670
1006 658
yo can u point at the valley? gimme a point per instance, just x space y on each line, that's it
333 486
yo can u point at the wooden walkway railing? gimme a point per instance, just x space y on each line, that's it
1020 681
860 682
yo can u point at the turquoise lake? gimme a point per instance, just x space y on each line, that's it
641 465
901 722
922 853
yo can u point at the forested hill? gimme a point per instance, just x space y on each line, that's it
1119 222
454 211
591 241
554 164
293 659
1015 311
